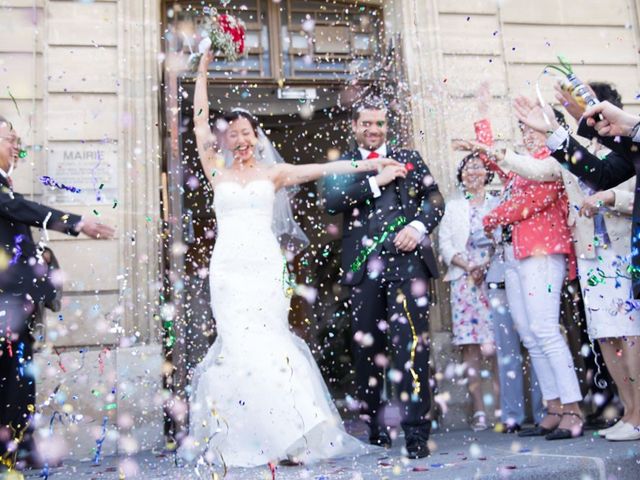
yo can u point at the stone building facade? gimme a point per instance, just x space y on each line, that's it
88 85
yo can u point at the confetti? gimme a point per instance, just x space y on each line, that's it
100 441
50 182
414 346
164 278
13 99
362 256
17 249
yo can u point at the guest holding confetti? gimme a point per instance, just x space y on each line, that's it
604 224
538 253
24 284
467 252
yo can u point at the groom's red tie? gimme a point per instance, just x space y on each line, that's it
373 155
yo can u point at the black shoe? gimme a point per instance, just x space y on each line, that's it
539 431
565 433
417 448
536 431
513 428
290 462
380 438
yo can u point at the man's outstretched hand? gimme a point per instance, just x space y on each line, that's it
94 229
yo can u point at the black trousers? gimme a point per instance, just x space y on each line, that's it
384 310
17 384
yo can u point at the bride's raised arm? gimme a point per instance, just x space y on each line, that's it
205 139
287 175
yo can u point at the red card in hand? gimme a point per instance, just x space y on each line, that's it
484 133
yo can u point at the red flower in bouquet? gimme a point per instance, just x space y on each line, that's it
224 34
234 28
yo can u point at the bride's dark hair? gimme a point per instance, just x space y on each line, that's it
236 114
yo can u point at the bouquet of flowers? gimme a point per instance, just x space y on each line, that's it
222 33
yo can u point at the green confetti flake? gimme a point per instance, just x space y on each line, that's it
110 406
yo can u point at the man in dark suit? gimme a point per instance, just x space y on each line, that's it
24 284
387 260
620 165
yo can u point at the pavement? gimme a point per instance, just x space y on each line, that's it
458 455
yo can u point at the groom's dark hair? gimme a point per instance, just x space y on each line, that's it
371 102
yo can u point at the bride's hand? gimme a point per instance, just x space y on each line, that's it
205 60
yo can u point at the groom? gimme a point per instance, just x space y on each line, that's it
387 261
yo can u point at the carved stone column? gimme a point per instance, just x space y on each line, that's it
417 23
140 154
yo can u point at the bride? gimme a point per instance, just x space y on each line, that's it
258 395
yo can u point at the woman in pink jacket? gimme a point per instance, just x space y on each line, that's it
538 256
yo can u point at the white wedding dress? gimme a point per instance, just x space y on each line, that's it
258 395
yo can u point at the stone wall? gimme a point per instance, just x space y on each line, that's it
84 76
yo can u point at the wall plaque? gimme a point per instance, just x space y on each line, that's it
90 167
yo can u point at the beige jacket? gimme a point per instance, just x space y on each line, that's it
617 218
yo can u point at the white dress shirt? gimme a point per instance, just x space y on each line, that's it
375 188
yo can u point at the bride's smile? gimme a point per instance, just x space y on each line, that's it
241 139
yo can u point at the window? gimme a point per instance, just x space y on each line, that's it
291 39
182 37
329 40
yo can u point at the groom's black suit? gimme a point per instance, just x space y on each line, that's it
379 298
23 284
